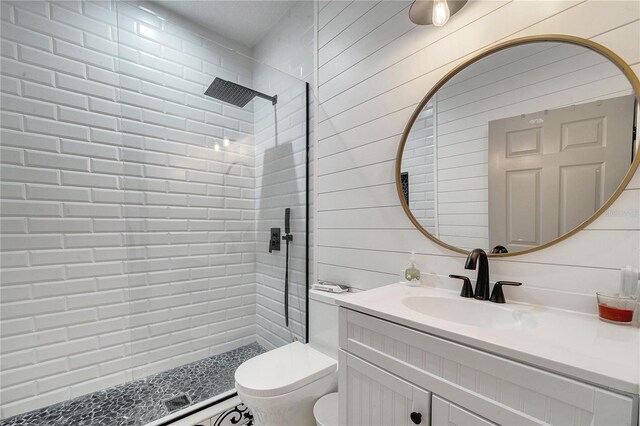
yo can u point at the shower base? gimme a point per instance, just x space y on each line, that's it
142 401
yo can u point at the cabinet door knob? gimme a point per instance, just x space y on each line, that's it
416 418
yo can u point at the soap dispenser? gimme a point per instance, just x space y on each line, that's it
411 272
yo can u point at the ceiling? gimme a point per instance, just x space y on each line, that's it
244 21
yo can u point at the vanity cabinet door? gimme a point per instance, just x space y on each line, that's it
371 396
444 413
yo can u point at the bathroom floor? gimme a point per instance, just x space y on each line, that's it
141 401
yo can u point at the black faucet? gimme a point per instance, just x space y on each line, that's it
482 281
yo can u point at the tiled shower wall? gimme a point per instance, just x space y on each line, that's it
280 172
128 244
202 206
280 183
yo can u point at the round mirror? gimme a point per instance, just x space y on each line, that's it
521 146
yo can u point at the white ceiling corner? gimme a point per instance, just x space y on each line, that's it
244 21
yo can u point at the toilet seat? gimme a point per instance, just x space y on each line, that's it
283 370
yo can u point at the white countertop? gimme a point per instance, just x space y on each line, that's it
569 343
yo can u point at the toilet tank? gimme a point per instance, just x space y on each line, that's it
323 321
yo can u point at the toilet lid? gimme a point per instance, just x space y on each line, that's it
283 370
326 410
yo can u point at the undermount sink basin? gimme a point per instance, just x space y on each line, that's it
473 312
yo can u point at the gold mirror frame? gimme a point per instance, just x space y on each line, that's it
598 48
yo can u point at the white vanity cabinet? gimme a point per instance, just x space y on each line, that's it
388 371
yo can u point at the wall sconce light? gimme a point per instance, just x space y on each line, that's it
436 12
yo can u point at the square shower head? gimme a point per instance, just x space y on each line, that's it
235 94
229 92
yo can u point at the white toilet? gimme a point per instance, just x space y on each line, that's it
282 386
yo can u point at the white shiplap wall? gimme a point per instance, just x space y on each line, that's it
280 172
128 240
373 72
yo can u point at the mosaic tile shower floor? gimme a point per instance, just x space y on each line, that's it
140 402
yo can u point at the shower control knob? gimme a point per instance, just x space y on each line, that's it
416 418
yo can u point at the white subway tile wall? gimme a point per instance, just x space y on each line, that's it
128 238
374 68
280 173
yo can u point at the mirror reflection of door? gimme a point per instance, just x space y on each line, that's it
551 170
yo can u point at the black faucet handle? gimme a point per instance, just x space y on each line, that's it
497 296
467 289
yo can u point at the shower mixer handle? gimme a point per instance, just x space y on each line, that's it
274 241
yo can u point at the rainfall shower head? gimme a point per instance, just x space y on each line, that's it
235 94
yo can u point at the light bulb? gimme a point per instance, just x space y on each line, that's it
216 147
440 12
225 142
